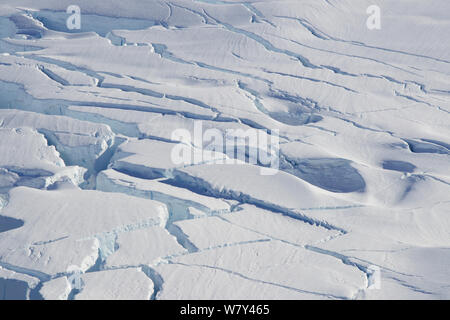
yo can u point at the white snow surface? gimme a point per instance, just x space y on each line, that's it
93 205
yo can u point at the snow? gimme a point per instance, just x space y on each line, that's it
276 226
129 284
402 266
47 258
143 246
16 286
151 159
57 289
78 142
227 285
213 232
29 161
113 181
289 192
314 273
89 187
69 227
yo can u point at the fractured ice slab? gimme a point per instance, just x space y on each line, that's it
113 181
26 141
52 258
204 283
69 227
428 147
79 142
275 226
26 159
72 218
213 232
123 284
243 182
417 272
126 122
56 289
300 270
16 286
143 246
151 159
364 165
250 224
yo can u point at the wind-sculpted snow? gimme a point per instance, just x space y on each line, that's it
218 149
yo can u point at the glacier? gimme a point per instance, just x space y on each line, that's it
93 204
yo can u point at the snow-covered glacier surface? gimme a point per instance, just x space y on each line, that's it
352 200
